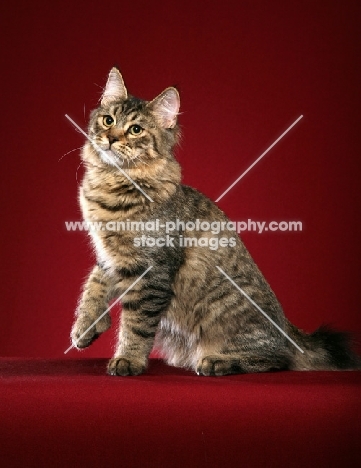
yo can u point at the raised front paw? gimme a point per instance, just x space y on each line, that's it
84 332
125 366
218 365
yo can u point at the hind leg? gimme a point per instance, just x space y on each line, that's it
218 365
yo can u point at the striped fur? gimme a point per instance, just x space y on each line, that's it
184 306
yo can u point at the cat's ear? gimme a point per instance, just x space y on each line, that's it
165 107
115 89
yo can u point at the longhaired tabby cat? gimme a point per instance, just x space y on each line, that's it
184 306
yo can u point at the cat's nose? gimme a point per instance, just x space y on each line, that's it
112 139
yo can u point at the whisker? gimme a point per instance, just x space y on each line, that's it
76 172
75 149
141 160
102 88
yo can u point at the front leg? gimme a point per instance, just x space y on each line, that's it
142 309
93 302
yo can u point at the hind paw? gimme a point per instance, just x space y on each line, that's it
217 366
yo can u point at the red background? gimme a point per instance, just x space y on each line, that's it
245 70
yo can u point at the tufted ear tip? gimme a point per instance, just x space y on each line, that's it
165 107
115 89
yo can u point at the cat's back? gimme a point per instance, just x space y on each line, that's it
196 204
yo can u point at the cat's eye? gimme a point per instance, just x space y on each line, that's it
108 121
135 130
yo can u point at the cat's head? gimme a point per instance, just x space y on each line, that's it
131 131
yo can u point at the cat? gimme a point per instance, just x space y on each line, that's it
185 306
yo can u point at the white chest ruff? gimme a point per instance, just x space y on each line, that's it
102 254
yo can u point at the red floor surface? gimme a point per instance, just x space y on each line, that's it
70 413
